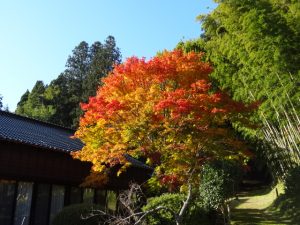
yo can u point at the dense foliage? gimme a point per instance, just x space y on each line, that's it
59 101
288 204
292 182
163 110
171 201
1 104
74 214
254 47
219 182
195 215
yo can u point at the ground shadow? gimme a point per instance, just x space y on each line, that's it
249 208
256 216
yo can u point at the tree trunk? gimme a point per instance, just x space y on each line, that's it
185 205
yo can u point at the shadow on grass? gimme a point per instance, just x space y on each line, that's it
288 206
236 202
257 217
250 208
249 191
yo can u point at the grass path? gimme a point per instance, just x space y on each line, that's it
251 208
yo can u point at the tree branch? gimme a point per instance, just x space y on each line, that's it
155 210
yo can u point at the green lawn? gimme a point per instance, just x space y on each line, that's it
255 208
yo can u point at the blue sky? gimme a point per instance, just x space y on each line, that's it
37 36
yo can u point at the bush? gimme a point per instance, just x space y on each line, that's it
292 182
288 204
195 215
287 207
71 215
171 201
219 181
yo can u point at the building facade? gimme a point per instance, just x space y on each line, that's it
38 176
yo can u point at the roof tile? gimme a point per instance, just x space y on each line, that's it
30 131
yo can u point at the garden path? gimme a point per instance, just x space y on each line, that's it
251 208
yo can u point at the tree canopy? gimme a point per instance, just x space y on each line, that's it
254 48
34 103
59 101
163 110
1 104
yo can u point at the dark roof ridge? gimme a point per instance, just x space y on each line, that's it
137 163
36 120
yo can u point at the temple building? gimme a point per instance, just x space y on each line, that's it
38 176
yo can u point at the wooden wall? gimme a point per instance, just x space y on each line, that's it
29 163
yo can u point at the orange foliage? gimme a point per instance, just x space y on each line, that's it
163 110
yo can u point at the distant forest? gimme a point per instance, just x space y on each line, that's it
59 101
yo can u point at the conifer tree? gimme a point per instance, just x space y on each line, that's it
1 104
59 101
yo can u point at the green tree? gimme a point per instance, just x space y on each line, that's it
1 104
76 71
22 102
33 104
57 95
103 57
85 67
59 102
254 47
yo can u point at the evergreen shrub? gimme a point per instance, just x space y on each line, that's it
219 181
292 182
72 215
195 214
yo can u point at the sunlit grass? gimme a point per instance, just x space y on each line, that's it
255 208
258 199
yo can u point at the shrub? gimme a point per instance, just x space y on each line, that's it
287 205
292 182
71 215
219 181
171 201
195 215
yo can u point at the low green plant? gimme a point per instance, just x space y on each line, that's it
219 181
287 205
72 215
292 182
195 215
171 201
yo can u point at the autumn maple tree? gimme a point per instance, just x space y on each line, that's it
164 110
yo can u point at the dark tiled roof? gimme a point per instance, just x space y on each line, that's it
25 130
33 132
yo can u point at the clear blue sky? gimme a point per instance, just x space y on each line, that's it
37 36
